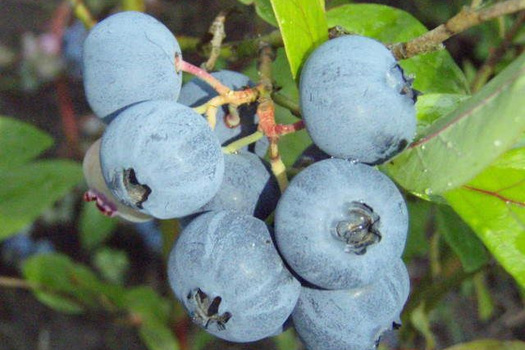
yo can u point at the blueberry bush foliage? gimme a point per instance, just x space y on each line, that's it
463 176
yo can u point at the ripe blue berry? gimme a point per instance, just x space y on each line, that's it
228 275
355 100
161 158
339 224
352 319
197 92
248 187
129 57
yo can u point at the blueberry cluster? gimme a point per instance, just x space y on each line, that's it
332 261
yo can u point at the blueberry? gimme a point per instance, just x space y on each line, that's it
129 57
99 191
248 187
310 155
339 224
161 158
197 92
228 275
355 100
351 319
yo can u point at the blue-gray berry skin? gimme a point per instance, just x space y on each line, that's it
248 187
352 319
355 100
228 275
129 57
161 158
339 224
197 92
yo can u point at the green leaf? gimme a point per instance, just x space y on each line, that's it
303 28
493 204
460 145
112 264
20 142
461 239
246 2
420 213
434 72
94 227
147 304
30 189
431 107
420 320
286 340
62 284
489 344
157 336
263 8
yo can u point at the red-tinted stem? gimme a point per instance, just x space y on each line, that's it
283 129
200 73
67 115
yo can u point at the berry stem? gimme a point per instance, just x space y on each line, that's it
219 34
200 73
467 18
245 141
288 103
266 113
283 129
83 13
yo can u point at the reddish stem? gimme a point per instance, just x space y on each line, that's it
200 73
67 114
283 129
181 331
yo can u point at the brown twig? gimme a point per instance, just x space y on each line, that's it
467 18
219 34
495 56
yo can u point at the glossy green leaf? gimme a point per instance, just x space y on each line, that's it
461 239
303 28
246 2
493 204
460 145
489 344
30 189
157 336
20 142
434 72
94 227
431 107
263 8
